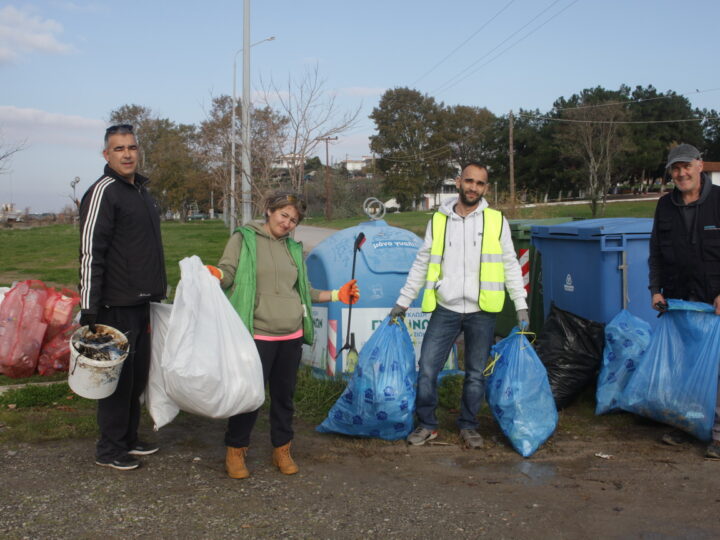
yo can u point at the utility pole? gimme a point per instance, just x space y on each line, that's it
328 183
511 153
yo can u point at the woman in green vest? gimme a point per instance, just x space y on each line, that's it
264 273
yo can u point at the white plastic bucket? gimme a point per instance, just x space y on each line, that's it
94 379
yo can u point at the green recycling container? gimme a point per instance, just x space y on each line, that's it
531 266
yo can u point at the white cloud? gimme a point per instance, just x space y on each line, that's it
22 32
36 118
36 126
361 91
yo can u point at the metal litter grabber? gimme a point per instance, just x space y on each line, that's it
352 355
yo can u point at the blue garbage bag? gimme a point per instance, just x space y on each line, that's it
676 382
627 337
379 400
519 393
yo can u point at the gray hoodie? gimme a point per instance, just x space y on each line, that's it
459 286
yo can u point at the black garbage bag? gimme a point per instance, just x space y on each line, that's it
571 349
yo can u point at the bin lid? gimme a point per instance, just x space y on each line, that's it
589 229
521 228
387 249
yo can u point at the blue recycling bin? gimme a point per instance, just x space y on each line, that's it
595 268
381 268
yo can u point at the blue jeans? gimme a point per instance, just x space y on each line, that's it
442 331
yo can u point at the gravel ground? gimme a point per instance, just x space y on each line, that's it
598 485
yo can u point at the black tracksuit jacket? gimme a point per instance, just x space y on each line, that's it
121 254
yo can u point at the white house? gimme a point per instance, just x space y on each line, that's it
287 161
712 169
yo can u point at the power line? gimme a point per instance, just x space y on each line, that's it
576 121
462 44
428 154
454 80
438 151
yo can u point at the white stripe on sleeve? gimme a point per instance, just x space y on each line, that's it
86 243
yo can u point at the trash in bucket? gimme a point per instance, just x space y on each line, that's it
96 361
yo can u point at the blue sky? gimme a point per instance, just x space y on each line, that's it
64 65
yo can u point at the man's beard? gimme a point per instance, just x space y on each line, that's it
467 202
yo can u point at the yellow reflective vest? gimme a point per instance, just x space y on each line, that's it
492 271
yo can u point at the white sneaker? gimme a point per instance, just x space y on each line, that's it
420 436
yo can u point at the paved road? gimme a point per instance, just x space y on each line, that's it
311 236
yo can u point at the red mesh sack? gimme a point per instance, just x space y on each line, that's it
22 328
59 311
55 354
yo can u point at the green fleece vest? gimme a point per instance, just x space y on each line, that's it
242 295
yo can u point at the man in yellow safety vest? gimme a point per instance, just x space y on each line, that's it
463 267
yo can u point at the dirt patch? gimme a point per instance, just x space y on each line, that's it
605 483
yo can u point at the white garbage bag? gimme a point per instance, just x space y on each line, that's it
210 365
162 409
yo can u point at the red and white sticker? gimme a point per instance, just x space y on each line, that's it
524 259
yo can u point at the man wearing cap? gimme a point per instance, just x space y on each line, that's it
463 268
122 269
685 249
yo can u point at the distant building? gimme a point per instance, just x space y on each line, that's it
287 161
432 201
9 213
357 165
712 169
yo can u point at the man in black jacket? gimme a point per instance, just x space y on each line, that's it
685 249
122 269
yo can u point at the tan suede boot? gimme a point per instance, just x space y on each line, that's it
282 459
235 462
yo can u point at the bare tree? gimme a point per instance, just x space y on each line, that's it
213 146
6 152
312 114
593 135
269 135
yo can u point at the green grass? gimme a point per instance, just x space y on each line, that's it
417 221
51 253
314 397
206 239
43 413
36 396
5 380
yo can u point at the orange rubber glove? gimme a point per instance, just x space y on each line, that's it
348 293
215 271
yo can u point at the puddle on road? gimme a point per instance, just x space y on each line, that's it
526 473
534 474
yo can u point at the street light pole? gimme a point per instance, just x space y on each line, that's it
76 204
232 221
233 184
246 172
